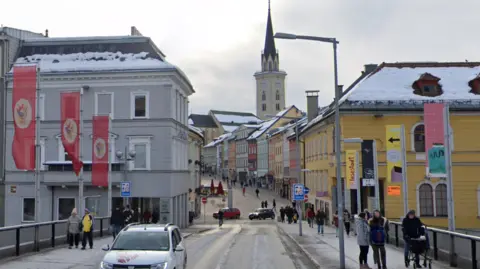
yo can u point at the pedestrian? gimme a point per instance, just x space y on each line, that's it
320 219
295 215
346 221
282 214
147 216
310 216
411 229
367 213
335 222
127 215
243 190
87 227
116 221
257 191
274 204
73 229
220 218
266 204
155 215
262 204
363 239
378 234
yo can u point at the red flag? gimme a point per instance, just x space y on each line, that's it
100 151
24 113
70 111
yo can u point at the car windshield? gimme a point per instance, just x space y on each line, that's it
156 241
258 210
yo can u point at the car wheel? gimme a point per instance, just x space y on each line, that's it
251 218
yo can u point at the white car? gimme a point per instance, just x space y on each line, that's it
146 246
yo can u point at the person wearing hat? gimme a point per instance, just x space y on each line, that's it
411 226
87 228
73 229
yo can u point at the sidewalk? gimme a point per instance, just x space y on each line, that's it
324 250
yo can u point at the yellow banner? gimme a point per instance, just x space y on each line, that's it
350 165
394 153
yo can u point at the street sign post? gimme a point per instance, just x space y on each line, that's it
204 202
396 160
298 192
125 189
306 190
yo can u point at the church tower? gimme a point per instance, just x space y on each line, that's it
270 80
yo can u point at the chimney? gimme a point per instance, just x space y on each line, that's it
46 33
369 68
312 104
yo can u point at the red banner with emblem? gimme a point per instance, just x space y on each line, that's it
70 128
100 151
24 116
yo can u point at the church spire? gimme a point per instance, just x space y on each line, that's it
269 49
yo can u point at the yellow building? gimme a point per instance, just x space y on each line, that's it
394 94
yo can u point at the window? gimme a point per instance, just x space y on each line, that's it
441 209
28 210
277 106
264 107
264 97
419 138
277 95
425 196
65 207
41 107
141 146
104 103
140 105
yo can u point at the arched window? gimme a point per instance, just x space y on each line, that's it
277 95
264 97
419 138
270 66
425 197
441 207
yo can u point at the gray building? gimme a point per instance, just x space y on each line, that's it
241 134
147 98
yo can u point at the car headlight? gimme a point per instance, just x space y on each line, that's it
106 265
162 265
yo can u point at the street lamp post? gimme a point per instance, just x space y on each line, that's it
338 157
125 157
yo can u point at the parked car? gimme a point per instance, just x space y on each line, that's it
228 213
262 213
146 246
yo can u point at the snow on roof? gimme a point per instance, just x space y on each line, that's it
195 130
267 124
235 117
190 121
392 82
290 126
230 128
81 38
218 140
94 61
323 111
252 125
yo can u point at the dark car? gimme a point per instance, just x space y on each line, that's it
262 213
229 213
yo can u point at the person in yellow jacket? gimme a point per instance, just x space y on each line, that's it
87 229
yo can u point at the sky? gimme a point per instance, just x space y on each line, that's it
218 43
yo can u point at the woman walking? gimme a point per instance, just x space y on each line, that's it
346 221
73 229
378 230
335 222
363 238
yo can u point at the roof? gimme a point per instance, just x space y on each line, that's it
267 124
202 121
231 120
269 49
19 33
196 130
289 126
218 140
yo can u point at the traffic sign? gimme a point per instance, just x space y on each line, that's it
125 189
306 190
298 192
306 198
204 200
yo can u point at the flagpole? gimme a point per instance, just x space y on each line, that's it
80 154
37 149
110 156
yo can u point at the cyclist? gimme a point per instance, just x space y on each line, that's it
220 218
257 191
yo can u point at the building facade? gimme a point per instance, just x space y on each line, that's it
252 159
270 80
157 133
241 134
195 145
207 124
232 158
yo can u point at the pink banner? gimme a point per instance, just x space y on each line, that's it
433 117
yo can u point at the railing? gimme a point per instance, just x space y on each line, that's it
19 239
463 255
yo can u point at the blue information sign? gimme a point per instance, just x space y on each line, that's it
306 190
125 189
298 192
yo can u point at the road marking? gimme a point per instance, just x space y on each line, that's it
235 231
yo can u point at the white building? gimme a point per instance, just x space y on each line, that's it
195 145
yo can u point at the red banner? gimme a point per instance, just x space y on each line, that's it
70 118
100 151
433 115
24 113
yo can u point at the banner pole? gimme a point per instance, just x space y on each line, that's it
375 176
37 150
81 203
359 184
448 164
112 154
404 171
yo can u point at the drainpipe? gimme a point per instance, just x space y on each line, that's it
53 203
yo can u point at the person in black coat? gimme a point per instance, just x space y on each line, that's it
411 226
116 221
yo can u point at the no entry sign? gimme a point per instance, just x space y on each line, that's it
204 200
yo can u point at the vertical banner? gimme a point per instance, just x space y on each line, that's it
368 168
394 154
24 116
350 166
70 122
100 151
434 119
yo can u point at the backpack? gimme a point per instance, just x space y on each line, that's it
377 235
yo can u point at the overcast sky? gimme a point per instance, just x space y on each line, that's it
218 42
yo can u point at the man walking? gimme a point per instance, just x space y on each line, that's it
87 225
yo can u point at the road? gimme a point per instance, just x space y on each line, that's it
238 244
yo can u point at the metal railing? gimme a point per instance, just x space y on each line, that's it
463 255
19 239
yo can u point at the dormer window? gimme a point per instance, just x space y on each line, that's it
475 85
427 85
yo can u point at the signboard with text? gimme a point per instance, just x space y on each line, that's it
394 153
434 120
350 167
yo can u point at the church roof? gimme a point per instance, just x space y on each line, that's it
269 49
